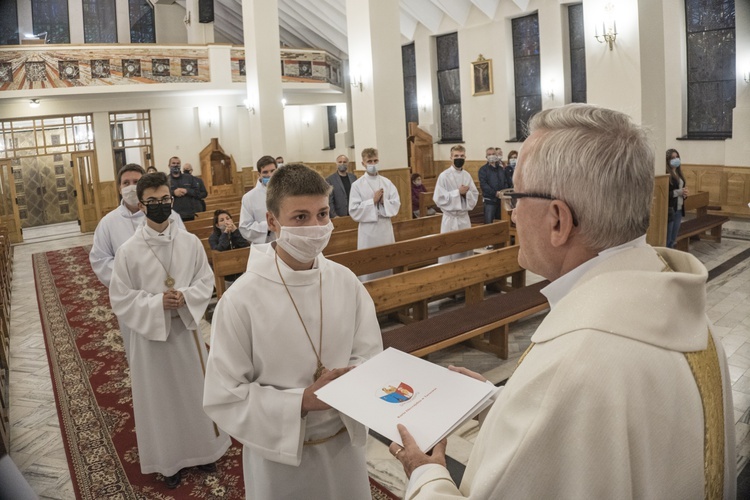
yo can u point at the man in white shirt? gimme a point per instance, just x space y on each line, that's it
624 392
455 195
292 323
253 225
373 201
161 285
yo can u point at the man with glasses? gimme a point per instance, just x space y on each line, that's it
624 391
160 287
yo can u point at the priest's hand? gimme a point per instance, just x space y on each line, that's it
411 456
467 372
310 401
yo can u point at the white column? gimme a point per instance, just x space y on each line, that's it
373 29
200 33
260 21
123 21
738 147
75 20
25 23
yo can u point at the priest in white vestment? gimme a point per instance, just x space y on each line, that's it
160 287
271 349
624 392
253 226
117 227
373 201
456 195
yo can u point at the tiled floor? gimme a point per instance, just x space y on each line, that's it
36 443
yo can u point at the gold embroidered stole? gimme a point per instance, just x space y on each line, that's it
707 374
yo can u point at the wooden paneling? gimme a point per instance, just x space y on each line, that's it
656 234
728 187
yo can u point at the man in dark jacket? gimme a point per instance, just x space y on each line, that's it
342 181
202 193
184 190
492 180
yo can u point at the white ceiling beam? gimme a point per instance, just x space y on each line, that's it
330 13
425 12
408 25
339 5
316 23
290 39
309 37
488 7
522 4
458 10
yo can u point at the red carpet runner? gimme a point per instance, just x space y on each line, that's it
92 390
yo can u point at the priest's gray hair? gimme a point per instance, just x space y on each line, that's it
600 163
294 179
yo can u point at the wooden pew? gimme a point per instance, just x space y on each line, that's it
703 226
397 256
346 241
6 276
413 252
476 214
469 275
226 264
344 223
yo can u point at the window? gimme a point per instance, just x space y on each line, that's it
51 135
51 17
449 88
711 75
99 21
577 53
8 23
409 63
142 27
131 138
527 71
333 126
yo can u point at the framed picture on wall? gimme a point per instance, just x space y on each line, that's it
481 76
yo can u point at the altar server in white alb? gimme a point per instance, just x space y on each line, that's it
291 324
120 224
253 225
161 285
455 195
373 201
624 392
117 227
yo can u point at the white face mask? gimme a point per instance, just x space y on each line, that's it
129 195
372 169
304 243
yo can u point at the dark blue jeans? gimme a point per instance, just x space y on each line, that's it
491 212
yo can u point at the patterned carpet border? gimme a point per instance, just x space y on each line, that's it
91 384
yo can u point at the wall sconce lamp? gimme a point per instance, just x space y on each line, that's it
356 81
246 103
34 103
608 35
283 103
550 91
609 27
746 76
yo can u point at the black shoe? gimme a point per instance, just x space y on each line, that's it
208 467
172 482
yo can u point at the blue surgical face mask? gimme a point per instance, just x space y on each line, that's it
512 162
674 162
265 180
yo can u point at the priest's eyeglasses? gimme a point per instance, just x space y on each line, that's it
510 199
152 202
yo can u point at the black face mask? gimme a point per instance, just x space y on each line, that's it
158 213
175 170
459 163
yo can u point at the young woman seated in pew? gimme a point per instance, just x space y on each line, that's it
226 236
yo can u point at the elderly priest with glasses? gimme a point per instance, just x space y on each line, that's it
624 391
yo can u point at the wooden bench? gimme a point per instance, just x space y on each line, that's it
417 287
402 255
346 241
703 226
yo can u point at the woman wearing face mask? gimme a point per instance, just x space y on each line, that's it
512 159
226 236
678 191
416 188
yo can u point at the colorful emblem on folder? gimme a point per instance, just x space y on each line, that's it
398 394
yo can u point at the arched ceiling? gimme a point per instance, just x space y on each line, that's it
322 23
